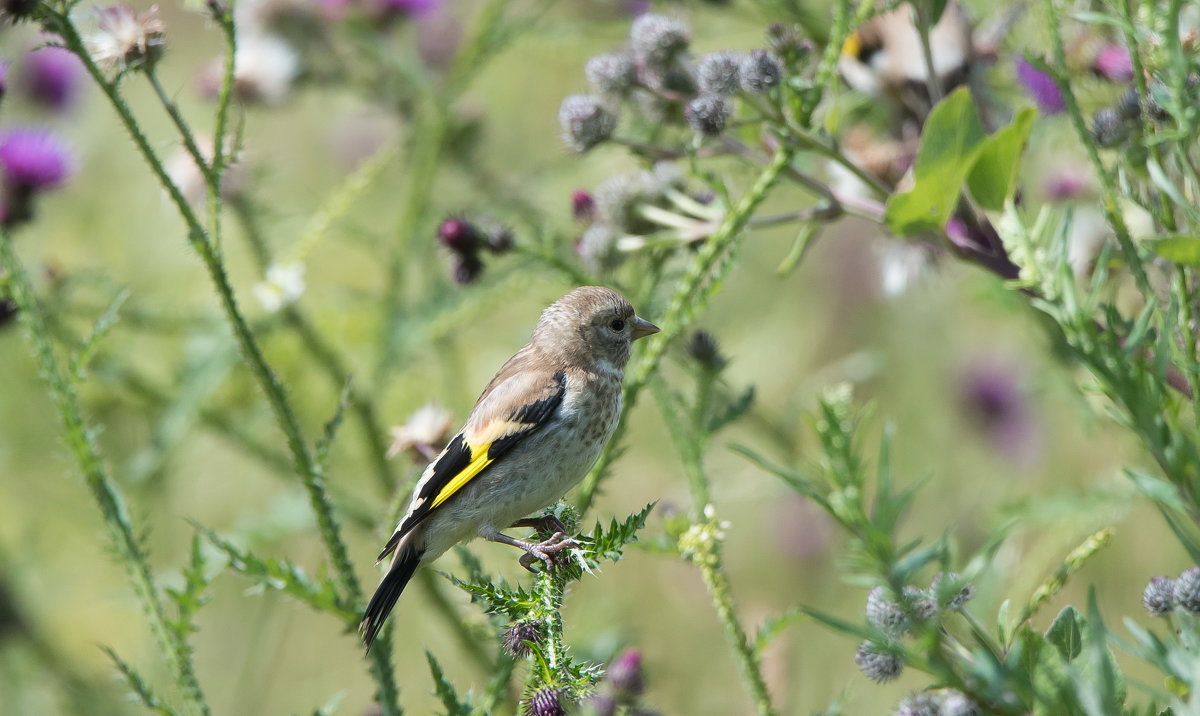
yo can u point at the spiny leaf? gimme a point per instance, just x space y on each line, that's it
331 427
445 690
138 685
100 329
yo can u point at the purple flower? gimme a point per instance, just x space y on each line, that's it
33 160
583 206
1065 185
51 77
409 7
1114 63
993 398
1041 87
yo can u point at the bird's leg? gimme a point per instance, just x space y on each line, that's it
546 524
544 550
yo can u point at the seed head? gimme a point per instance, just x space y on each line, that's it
657 39
719 72
1159 596
707 114
597 248
519 635
760 71
956 703
127 40
1187 590
585 121
626 675
876 663
612 74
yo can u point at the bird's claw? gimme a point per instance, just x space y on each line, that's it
548 550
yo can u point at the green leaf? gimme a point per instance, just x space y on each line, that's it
138 685
994 174
1178 248
1065 633
951 141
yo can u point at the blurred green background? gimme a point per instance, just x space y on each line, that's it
932 359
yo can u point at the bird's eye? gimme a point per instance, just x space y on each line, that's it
617 325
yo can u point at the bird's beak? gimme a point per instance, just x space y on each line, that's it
643 328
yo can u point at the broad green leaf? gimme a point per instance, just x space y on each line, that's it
950 143
1065 633
994 174
1179 248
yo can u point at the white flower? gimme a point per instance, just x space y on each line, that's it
264 68
126 39
283 285
426 429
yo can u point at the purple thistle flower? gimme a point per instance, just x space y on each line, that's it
1041 87
33 160
410 8
51 77
1113 63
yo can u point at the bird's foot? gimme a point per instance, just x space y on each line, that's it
548 551
544 525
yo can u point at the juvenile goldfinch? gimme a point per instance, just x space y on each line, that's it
533 434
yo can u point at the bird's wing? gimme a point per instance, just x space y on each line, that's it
512 408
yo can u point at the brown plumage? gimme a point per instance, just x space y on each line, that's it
534 432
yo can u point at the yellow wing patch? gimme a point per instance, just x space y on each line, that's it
479 460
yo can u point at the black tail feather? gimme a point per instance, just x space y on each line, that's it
386 595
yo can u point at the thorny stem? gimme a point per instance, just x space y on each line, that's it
112 505
220 160
685 302
310 472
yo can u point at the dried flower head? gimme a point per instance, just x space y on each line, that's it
264 68
657 39
519 635
956 703
1187 590
426 430
760 71
612 74
585 121
626 676
597 248
1159 596
720 72
707 114
545 702
127 40
878 664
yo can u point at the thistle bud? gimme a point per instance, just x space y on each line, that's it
545 702
585 122
760 71
708 114
1159 596
877 664
459 235
657 39
626 676
612 74
1187 590
719 72
519 635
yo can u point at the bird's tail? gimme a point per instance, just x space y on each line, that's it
403 567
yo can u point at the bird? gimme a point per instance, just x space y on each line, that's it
535 431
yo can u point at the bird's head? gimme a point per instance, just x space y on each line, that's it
589 327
